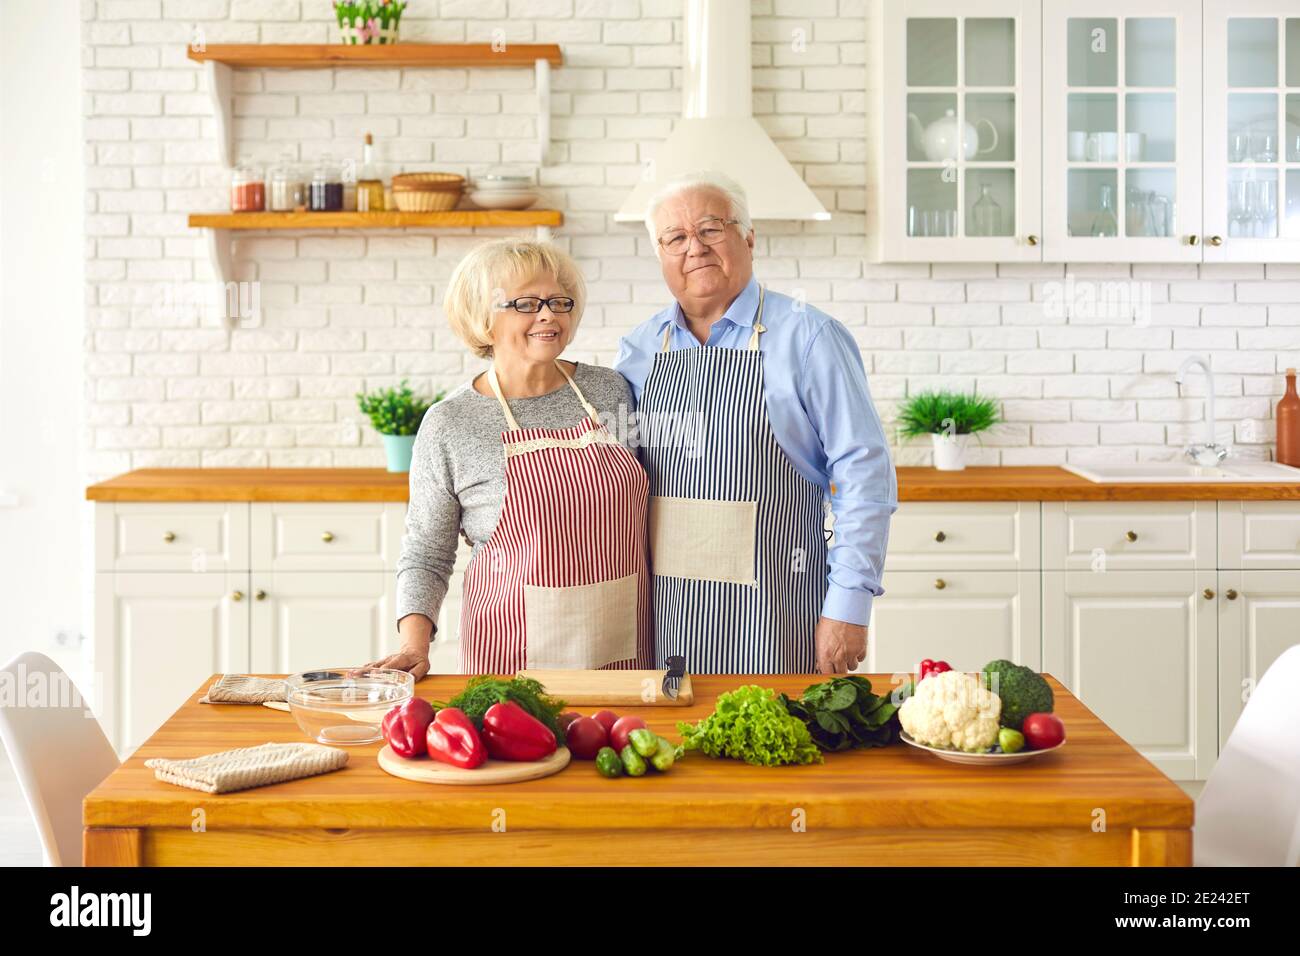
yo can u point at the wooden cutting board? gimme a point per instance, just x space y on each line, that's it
615 688
428 770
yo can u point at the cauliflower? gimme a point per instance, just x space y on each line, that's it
952 710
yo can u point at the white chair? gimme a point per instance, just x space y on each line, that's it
57 748
1249 812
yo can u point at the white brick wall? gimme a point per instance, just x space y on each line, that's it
347 311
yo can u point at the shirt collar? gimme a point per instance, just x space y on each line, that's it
740 312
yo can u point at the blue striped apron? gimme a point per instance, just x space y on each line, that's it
738 548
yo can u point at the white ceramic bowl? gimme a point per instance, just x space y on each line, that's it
503 198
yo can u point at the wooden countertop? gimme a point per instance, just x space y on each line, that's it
887 806
1028 483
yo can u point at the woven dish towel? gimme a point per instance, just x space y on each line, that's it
242 689
248 766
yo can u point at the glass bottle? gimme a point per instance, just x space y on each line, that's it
247 187
286 192
326 194
1104 224
370 188
986 214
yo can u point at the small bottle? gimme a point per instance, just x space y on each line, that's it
326 193
986 214
349 170
370 188
286 188
1288 424
247 188
1105 224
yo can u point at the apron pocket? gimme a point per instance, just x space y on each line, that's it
581 627
703 539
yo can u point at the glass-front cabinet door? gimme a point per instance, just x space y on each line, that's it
1252 131
1122 131
959 176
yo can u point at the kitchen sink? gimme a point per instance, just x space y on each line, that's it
1187 473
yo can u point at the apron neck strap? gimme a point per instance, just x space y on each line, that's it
759 327
505 406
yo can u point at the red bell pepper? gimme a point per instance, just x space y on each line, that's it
404 726
514 734
929 667
453 739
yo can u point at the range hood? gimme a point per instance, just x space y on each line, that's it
717 130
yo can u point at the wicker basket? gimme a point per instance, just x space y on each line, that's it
428 181
426 200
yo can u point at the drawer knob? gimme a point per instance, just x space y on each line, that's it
237 595
940 537
169 536
260 595
1209 594
1131 535
1216 240
327 537
1230 594
940 584
1031 239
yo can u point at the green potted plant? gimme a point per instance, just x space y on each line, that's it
366 22
949 418
396 414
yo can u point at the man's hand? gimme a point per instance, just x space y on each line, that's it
840 646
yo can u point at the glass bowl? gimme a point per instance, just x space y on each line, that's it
346 705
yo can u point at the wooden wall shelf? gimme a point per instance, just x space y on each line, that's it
315 56
455 219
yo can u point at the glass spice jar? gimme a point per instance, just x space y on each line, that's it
247 188
326 194
287 191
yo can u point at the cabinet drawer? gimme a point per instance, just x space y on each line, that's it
1112 535
194 536
326 536
1259 535
984 535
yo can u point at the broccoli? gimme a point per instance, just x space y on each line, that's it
1023 691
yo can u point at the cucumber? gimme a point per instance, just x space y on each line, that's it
646 742
633 762
663 756
608 763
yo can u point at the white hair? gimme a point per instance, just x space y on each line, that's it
705 179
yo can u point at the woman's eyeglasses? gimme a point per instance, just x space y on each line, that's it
529 304
709 231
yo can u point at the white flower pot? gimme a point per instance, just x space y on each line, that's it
949 451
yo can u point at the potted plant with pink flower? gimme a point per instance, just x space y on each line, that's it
363 22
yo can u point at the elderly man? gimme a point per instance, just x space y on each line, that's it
753 408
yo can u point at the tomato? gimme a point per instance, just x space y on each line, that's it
1043 731
929 667
618 734
584 738
566 718
607 719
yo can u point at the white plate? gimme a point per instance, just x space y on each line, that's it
957 756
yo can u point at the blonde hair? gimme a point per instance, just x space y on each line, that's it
476 285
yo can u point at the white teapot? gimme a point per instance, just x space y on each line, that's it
939 139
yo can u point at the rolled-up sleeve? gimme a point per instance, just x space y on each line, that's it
428 552
864 493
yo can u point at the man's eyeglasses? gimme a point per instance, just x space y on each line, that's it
709 231
530 304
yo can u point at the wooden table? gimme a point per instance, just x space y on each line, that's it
1096 802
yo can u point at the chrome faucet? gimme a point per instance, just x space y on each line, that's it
1208 453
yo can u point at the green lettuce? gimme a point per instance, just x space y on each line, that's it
750 724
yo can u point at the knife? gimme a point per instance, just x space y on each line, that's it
673 679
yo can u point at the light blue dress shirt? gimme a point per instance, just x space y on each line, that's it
821 413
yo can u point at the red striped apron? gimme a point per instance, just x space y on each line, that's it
562 582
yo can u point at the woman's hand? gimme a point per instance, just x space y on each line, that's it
417 662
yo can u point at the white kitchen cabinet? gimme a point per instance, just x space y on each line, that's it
1259 618
1138 648
988 535
189 589
1259 535
1252 131
1121 130
303 620
956 173
1118 535
966 618
158 635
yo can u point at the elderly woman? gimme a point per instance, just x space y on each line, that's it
520 463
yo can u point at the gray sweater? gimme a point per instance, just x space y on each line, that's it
458 473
